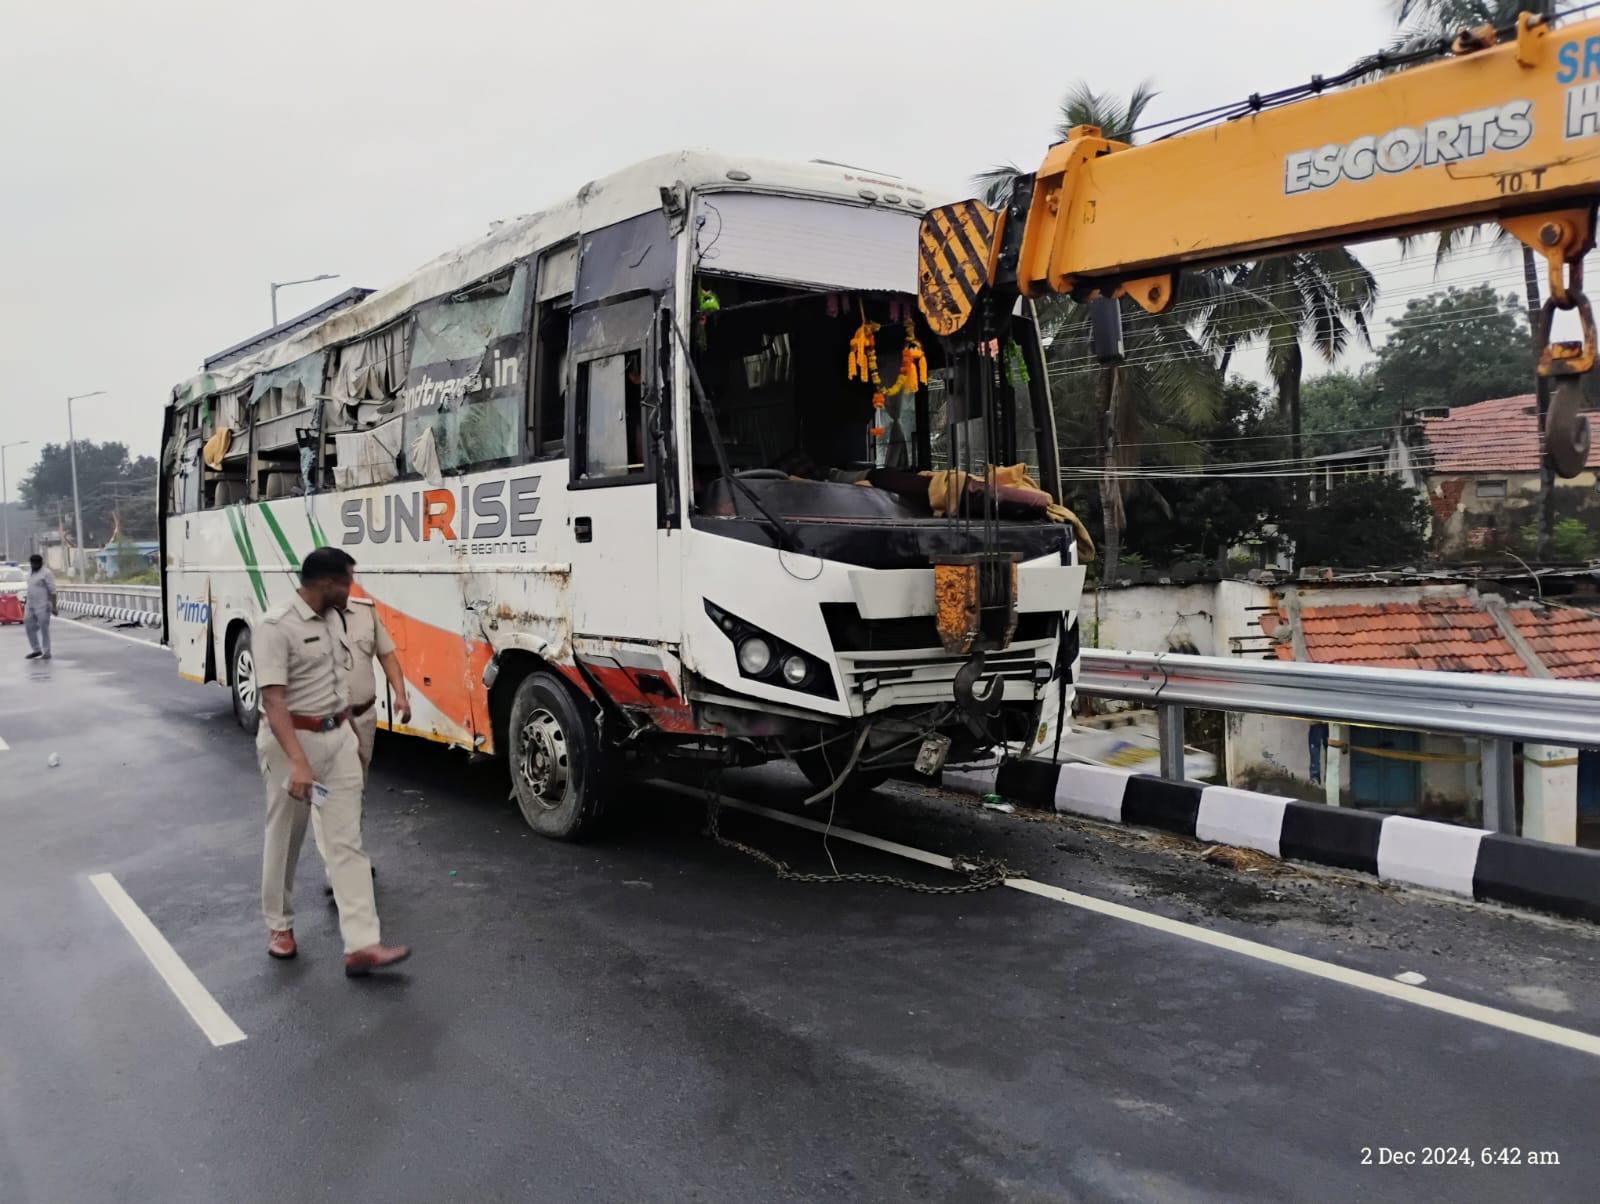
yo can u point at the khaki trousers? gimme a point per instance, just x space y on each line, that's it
336 763
366 726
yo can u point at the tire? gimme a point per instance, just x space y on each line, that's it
554 753
242 683
821 772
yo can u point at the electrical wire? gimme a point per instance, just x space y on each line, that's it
1179 346
1281 436
1381 61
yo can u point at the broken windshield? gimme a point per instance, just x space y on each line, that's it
848 389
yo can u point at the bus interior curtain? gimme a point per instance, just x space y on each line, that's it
373 368
370 457
424 458
230 412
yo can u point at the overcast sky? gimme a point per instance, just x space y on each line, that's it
161 163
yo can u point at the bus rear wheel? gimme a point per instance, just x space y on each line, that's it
554 758
242 682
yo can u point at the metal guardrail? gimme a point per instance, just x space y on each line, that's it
139 604
1494 708
1491 706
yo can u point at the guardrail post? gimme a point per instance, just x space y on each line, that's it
1333 769
1499 786
1170 726
1550 793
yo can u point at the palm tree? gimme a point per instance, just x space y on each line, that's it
1167 387
1168 381
1324 296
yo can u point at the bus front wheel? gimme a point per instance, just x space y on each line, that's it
554 758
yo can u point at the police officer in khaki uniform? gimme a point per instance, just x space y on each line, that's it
303 666
369 640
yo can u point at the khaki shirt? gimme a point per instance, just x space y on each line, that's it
369 638
305 653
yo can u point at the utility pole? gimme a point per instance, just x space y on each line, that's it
72 454
5 496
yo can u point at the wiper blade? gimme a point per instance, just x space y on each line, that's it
780 529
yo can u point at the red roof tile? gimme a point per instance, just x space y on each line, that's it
1566 640
1492 436
1448 634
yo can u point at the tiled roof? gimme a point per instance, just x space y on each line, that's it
1567 641
1451 635
1492 436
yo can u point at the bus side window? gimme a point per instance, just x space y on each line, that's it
189 477
609 426
552 327
550 391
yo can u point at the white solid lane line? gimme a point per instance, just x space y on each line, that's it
116 635
1493 1017
215 1023
4 747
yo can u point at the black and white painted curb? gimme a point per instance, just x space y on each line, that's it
117 614
1395 848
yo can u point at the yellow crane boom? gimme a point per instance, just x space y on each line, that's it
1506 129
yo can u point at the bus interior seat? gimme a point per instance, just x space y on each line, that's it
279 484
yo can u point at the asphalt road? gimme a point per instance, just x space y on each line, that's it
655 1018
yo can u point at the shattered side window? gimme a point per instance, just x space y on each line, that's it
467 379
461 326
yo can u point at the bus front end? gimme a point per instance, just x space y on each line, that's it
878 573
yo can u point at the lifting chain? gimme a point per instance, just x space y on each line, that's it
982 873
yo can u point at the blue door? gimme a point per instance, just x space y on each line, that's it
1589 782
1380 782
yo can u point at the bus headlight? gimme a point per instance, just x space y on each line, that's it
755 655
763 657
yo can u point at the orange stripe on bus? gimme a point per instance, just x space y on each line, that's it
445 667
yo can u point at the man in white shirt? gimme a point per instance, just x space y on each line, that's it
41 604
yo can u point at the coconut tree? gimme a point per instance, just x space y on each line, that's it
1169 379
1323 298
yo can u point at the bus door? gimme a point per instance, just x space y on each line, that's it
613 496
620 570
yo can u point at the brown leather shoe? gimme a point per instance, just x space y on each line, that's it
282 946
373 957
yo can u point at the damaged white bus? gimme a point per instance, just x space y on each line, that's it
673 469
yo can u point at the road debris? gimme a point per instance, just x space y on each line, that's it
1247 860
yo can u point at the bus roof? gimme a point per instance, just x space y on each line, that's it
599 203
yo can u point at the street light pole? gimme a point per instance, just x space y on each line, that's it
5 495
72 455
286 283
